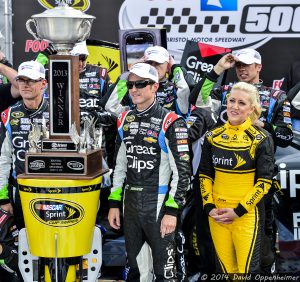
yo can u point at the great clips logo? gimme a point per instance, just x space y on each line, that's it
82 5
56 212
219 5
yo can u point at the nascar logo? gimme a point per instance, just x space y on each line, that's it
82 5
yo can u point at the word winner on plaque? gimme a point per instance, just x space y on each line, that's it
64 95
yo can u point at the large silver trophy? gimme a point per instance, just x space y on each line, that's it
60 187
63 26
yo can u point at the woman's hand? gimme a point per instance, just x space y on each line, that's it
225 215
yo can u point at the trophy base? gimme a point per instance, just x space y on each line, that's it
64 164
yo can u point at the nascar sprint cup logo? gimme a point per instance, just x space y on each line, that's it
226 23
82 5
56 212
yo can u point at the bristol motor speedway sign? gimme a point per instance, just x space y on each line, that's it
271 26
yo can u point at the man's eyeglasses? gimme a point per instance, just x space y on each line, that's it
29 82
139 84
82 57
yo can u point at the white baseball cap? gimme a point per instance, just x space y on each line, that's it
248 56
145 71
157 54
32 70
79 49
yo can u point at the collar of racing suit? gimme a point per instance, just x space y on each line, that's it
259 84
237 128
33 112
147 112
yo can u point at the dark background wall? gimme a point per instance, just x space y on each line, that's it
105 27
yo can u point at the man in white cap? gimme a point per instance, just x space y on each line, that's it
153 165
275 118
14 129
174 89
15 126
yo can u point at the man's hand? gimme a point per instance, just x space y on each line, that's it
259 123
170 64
114 218
50 50
167 225
8 208
225 63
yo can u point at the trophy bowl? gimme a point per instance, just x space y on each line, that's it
63 26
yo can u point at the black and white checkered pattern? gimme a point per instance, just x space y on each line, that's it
182 20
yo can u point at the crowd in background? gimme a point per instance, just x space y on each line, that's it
227 134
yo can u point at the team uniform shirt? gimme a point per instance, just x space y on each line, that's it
93 84
148 154
172 94
153 157
276 110
14 130
236 172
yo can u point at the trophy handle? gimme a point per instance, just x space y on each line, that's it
30 30
88 30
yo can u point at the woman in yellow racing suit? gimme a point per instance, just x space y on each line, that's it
235 173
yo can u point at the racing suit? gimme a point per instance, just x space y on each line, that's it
276 115
152 146
276 110
14 130
94 82
9 242
201 254
173 93
236 172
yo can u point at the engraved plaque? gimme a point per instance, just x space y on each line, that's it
64 95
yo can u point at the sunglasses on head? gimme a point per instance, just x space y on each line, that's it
82 57
139 84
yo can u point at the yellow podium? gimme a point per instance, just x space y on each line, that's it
60 215
59 212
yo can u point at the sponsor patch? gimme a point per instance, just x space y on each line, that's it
152 133
183 141
125 127
17 114
93 92
258 137
142 131
134 125
182 148
184 157
150 139
133 131
181 129
145 124
130 118
14 121
181 135
155 120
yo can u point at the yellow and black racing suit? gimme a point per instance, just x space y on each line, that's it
236 171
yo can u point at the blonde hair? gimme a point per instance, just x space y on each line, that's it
254 98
